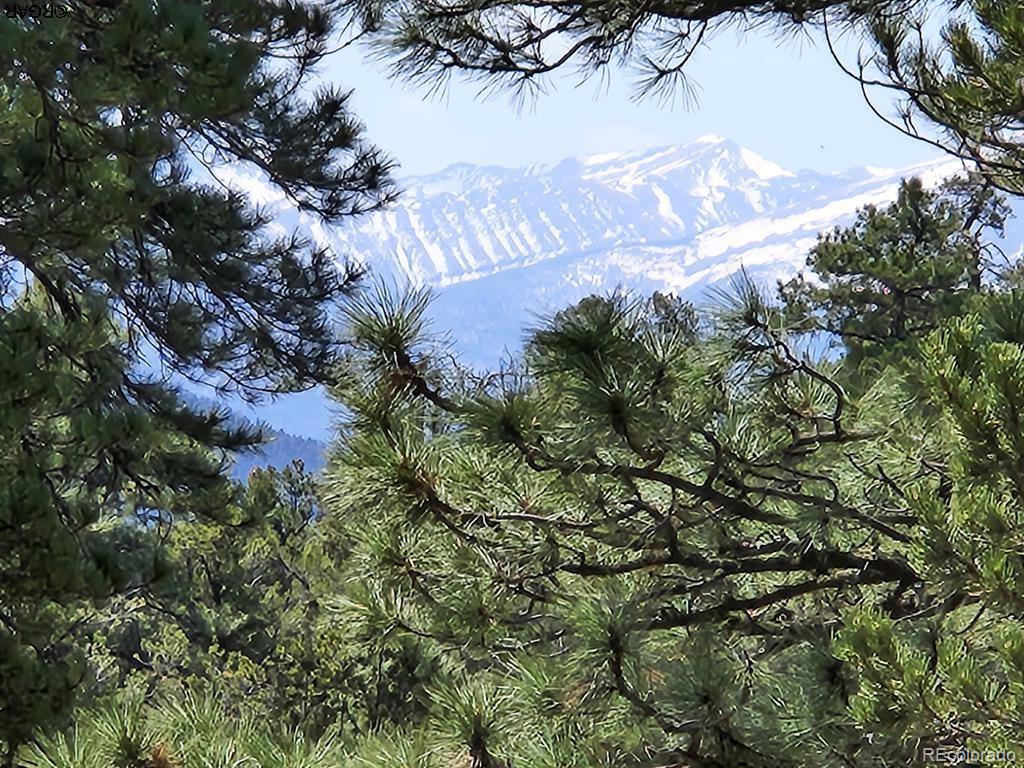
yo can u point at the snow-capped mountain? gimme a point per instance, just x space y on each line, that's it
502 245
467 222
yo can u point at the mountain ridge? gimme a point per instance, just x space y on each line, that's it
501 245
466 223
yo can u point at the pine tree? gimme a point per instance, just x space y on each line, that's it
894 276
519 43
125 270
191 730
630 551
952 674
244 607
664 539
961 88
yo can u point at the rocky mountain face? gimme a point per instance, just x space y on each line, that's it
503 245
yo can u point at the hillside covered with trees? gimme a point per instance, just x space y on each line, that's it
783 529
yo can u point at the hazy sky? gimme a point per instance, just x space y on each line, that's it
782 97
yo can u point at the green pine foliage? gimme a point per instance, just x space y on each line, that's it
76 461
966 84
520 43
250 610
125 269
670 539
952 672
890 279
660 537
193 730
620 524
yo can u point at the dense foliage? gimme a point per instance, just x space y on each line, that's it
660 541
880 286
783 530
125 269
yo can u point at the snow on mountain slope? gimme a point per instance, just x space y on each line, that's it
503 244
466 223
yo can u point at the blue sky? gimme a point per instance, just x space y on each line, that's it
784 98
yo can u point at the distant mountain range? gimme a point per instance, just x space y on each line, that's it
503 245
681 205
280 449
